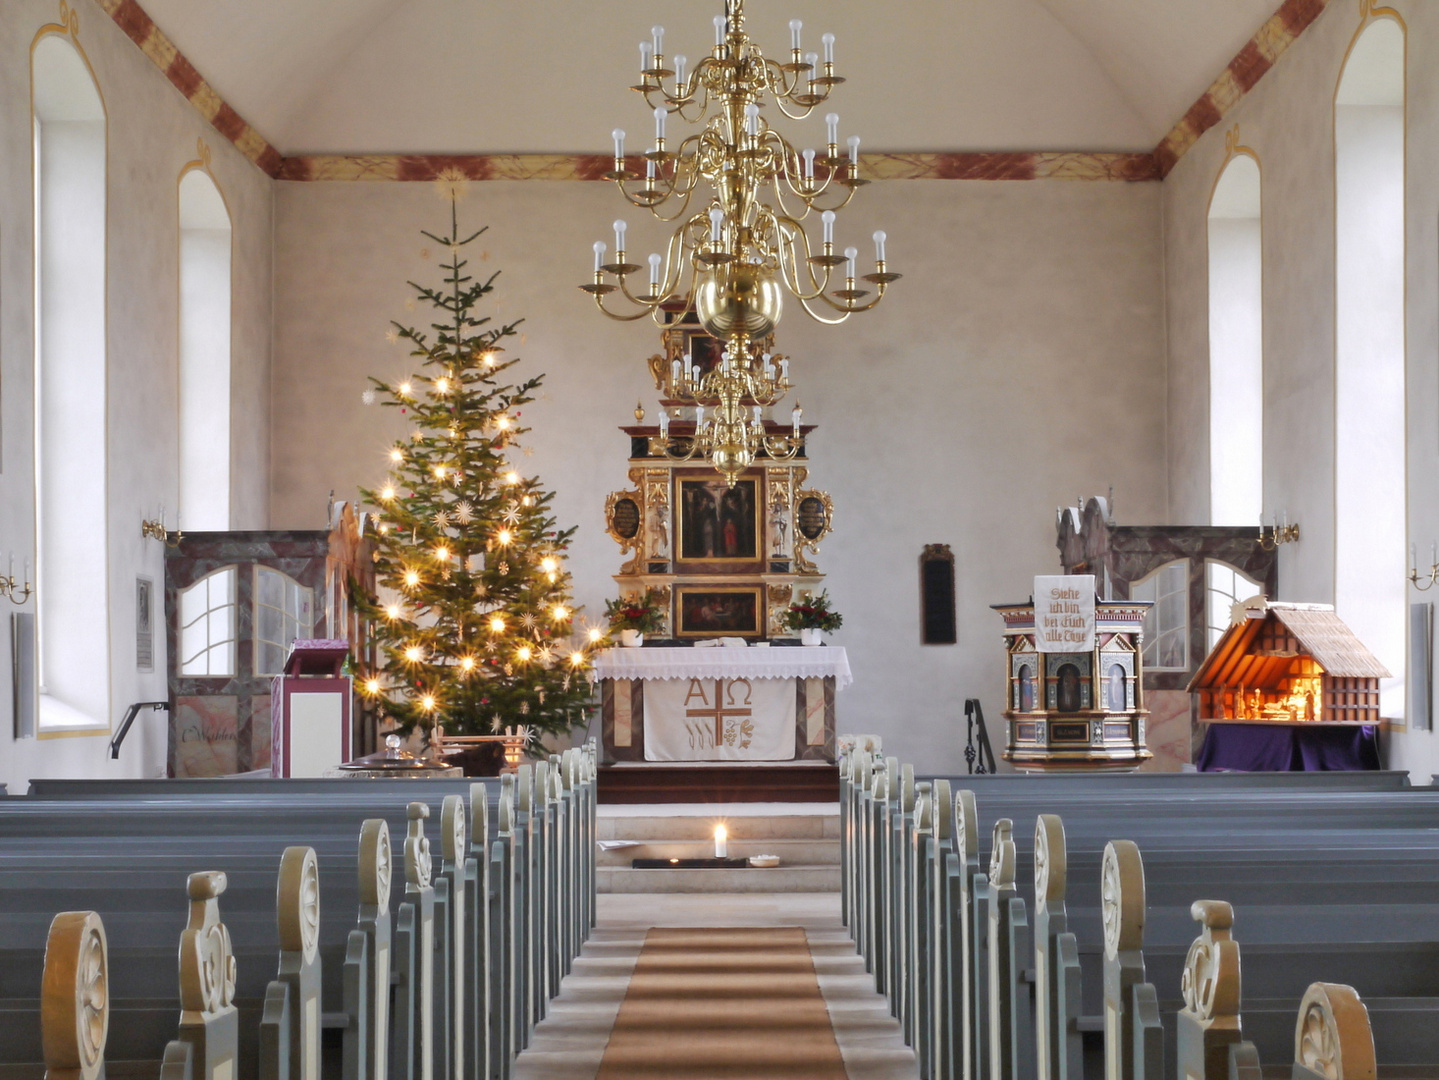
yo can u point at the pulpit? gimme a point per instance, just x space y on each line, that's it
720 704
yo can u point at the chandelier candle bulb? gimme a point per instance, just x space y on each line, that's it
828 219
721 842
812 60
827 40
756 416
660 113
716 223
795 26
658 34
675 371
784 369
809 165
831 122
794 416
664 423
699 416
850 254
644 57
619 137
853 142
879 239
719 21
654 272
650 168
680 61
600 250
751 120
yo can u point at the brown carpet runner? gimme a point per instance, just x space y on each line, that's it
723 1002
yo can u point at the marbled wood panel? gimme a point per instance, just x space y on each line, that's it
1236 80
260 730
611 692
204 736
823 750
1167 730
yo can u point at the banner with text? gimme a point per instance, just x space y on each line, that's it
1064 613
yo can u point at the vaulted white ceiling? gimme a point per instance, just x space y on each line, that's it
537 76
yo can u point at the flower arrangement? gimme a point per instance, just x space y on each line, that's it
643 613
813 614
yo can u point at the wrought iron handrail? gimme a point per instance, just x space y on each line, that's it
974 721
130 715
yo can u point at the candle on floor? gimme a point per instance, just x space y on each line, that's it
721 842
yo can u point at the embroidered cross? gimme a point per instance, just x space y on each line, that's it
716 712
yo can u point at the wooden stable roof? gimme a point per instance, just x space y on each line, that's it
1320 632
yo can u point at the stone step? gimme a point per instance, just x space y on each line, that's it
779 879
791 852
701 827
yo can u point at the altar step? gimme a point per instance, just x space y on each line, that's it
639 782
804 836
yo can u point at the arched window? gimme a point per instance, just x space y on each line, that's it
1166 625
207 626
1369 415
1236 346
70 399
204 354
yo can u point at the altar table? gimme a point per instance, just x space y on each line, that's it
1308 747
720 704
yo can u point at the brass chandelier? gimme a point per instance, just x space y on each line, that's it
733 258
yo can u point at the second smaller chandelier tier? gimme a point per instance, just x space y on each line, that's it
735 254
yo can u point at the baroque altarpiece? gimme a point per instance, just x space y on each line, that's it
727 560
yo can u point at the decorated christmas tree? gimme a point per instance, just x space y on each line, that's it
474 625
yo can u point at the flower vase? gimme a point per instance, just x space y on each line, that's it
631 639
811 635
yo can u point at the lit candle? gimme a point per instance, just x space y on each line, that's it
808 164
850 254
644 56
658 33
721 842
620 228
599 254
619 137
719 22
853 142
654 273
831 121
660 113
828 218
879 239
716 220
795 26
825 39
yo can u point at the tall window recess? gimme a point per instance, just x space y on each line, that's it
204 352
70 392
1236 343
1369 414
1166 625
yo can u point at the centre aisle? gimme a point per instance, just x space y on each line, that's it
682 986
723 1002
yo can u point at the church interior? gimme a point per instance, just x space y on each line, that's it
800 525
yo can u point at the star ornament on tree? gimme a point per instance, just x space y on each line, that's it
479 623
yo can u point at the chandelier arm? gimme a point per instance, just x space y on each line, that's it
788 228
600 303
817 317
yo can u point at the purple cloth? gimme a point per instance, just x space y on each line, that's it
1282 748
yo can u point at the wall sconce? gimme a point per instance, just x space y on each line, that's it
7 584
1414 577
155 530
1271 536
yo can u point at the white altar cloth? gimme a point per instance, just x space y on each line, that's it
797 662
719 720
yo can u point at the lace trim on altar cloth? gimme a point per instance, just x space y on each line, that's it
785 663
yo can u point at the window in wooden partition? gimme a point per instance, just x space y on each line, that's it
1166 626
208 626
284 611
1224 587
936 596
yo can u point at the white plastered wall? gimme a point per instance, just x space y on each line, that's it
152 134
1288 120
1018 365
